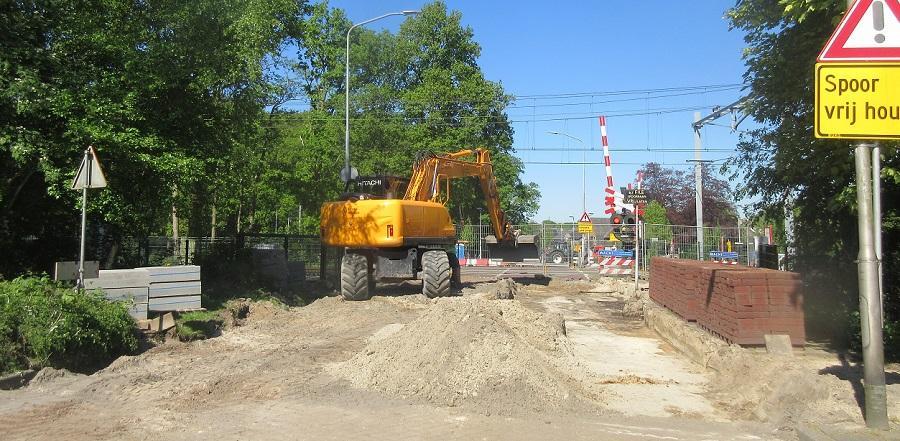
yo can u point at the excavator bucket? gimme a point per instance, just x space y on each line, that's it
523 249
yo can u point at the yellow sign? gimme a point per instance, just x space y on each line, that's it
586 227
858 100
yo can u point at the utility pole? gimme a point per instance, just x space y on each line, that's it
698 124
698 183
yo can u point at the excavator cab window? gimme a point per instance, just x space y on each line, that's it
376 187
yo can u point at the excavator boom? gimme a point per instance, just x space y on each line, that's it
432 173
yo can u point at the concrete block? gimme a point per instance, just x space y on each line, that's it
180 273
779 344
174 303
125 278
137 295
171 289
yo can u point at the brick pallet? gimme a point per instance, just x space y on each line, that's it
737 303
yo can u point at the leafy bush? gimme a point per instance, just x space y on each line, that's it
43 323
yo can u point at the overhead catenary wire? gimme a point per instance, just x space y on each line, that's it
664 93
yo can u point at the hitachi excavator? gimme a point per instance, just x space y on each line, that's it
386 238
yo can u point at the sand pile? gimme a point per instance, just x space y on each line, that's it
475 351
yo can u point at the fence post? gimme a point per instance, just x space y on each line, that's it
322 262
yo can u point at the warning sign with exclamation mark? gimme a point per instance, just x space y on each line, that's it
869 32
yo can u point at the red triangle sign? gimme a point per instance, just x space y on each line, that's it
869 31
585 217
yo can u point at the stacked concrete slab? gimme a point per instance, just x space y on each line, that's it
174 288
157 289
129 285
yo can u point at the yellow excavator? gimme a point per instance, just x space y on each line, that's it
387 238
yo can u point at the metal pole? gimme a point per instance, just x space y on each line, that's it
87 171
869 304
876 224
637 253
347 86
347 109
698 185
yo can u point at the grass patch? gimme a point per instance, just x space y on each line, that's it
198 325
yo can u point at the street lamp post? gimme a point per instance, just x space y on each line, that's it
346 172
572 244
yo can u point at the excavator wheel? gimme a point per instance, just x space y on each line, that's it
355 277
436 274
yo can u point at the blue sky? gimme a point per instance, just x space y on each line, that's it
589 49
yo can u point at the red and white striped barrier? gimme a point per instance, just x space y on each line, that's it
610 189
616 261
616 266
616 271
480 262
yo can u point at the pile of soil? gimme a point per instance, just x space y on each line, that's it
487 354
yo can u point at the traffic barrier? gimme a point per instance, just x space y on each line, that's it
724 257
616 262
480 262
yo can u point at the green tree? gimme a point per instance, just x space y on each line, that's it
787 168
418 90
658 225
166 91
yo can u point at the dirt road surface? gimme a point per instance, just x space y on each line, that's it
396 367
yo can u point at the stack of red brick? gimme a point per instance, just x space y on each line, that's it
738 303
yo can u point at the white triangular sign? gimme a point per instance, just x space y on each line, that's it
870 31
585 218
89 174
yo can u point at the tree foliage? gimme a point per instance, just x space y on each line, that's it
674 190
192 108
788 169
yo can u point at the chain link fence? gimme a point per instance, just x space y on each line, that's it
563 243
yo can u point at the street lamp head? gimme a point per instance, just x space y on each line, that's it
409 12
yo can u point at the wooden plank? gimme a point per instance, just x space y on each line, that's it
138 295
172 289
181 273
174 303
125 278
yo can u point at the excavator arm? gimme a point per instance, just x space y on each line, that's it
431 177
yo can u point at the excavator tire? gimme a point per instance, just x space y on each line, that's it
355 277
436 274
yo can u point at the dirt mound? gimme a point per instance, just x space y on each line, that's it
492 355
793 393
49 375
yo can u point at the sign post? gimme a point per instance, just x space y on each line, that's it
89 175
585 226
858 97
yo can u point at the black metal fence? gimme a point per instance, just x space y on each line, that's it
131 252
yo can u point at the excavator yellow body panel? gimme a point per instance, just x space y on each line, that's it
385 223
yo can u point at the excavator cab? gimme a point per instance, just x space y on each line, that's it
375 187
